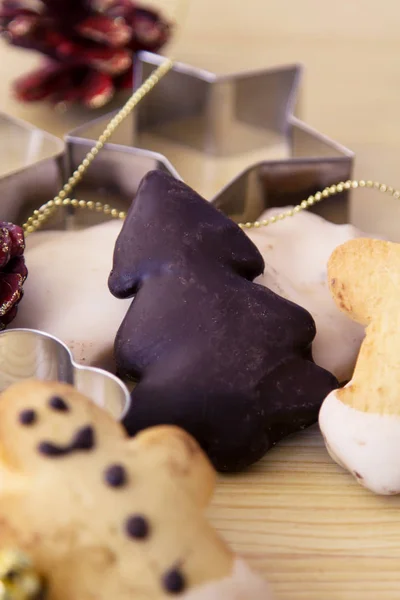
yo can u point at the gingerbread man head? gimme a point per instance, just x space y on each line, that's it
104 516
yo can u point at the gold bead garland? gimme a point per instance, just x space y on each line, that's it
40 216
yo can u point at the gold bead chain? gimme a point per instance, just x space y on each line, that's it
41 215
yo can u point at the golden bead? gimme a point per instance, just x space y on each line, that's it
271 220
325 193
317 197
383 188
390 190
361 183
122 215
58 202
114 213
86 163
369 184
340 188
30 229
257 224
99 206
354 185
94 152
66 202
82 204
333 189
396 194
347 185
41 218
377 185
90 205
75 203
247 225
297 209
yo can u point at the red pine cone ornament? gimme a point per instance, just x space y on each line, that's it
13 271
89 46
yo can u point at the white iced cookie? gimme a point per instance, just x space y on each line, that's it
296 252
361 422
66 292
107 517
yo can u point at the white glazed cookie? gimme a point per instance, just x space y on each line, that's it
296 252
66 292
361 422
103 516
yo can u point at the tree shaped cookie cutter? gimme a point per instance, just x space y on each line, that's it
31 354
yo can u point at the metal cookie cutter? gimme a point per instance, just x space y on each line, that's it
317 162
30 354
215 128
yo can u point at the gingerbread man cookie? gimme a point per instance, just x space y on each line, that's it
361 422
103 516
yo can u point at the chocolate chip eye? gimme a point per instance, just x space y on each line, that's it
58 403
27 417
115 476
137 527
174 581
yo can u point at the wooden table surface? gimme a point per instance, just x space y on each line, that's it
296 516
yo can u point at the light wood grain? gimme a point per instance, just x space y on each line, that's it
296 516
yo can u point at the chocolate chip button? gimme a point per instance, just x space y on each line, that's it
115 476
174 582
58 403
27 417
137 527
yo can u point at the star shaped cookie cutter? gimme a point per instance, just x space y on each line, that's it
31 354
222 131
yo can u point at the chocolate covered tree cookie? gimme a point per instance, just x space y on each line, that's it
224 358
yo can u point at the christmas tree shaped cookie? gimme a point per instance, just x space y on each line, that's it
224 358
